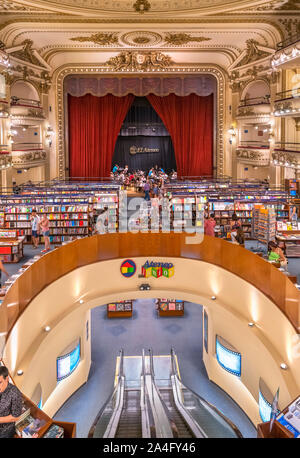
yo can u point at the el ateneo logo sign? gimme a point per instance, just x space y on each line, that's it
149 269
157 269
140 150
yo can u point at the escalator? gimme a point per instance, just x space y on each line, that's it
130 422
197 411
152 410
182 428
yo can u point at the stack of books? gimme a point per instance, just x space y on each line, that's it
54 432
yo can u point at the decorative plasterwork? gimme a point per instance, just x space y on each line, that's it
141 6
286 55
178 39
94 69
141 38
289 5
25 53
254 52
281 158
28 158
136 61
100 38
261 158
11 6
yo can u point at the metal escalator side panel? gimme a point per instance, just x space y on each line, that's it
229 428
145 411
158 408
115 418
194 427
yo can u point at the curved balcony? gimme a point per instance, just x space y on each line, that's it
29 157
255 107
288 53
26 108
61 287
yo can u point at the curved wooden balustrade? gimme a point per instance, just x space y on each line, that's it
233 258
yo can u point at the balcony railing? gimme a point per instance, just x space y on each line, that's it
255 101
16 101
288 147
254 144
4 149
291 93
27 146
288 41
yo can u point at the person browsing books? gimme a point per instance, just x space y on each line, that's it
35 222
44 224
209 225
10 405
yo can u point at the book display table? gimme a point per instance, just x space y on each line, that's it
121 309
170 307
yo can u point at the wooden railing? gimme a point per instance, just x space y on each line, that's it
239 261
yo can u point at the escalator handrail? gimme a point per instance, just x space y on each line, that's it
206 403
148 424
190 421
110 397
154 387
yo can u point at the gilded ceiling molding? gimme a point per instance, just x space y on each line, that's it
253 53
178 39
142 6
141 38
191 69
290 5
100 38
139 61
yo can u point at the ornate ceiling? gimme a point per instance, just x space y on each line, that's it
219 32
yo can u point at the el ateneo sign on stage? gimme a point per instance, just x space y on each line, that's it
142 150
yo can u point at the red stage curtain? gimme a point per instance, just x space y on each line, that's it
189 121
94 125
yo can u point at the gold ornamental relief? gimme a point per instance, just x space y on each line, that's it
142 6
136 61
178 39
100 38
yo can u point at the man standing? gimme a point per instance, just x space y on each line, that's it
147 189
35 221
10 405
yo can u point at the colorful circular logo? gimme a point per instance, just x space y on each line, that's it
128 268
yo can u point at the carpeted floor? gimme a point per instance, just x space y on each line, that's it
146 330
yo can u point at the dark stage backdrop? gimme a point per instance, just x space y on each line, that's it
142 159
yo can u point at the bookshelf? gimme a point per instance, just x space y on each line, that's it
170 307
122 309
66 221
264 224
11 246
289 233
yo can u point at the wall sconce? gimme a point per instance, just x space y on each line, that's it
232 133
48 135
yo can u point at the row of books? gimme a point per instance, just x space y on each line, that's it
288 226
48 209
